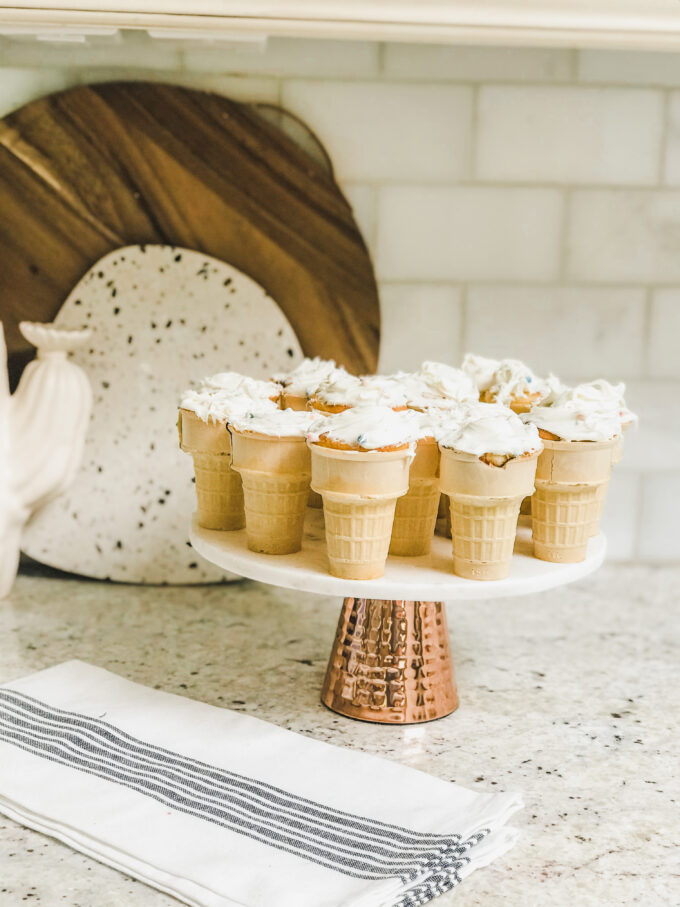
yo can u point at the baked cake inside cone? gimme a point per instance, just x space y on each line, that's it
342 392
360 467
582 430
488 464
300 385
203 433
271 455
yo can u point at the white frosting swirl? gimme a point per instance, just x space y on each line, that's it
447 382
595 411
278 423
369 427
222 406
480 369
233 382
488 428
348 390
309 375
513 379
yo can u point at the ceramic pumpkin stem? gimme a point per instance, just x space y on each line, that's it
42 432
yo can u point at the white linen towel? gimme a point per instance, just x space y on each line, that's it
219 809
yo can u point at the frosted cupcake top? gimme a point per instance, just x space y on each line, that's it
369 427
348 390
277 423
447 382
304 380
489 428
513 379
223 395
588 412
480 369
233 381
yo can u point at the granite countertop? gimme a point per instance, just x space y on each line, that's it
568 696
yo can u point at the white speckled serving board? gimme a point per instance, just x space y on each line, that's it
161 319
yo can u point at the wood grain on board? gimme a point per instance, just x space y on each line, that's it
90 169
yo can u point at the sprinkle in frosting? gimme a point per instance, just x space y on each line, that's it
489 428
595 411
305 380
278 423
369 427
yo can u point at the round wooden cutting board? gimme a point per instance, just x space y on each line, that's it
94 168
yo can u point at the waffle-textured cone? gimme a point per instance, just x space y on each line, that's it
219 493
359 491
358 536
601 498
391 662
275 511
416 512
568 499
485 502
275 473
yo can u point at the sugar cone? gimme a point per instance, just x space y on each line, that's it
415 514
571 481
485 502
275 473
219 493
359 491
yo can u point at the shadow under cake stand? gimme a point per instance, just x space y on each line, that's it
390 661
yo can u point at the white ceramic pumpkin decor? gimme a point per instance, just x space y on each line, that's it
42 431
161 318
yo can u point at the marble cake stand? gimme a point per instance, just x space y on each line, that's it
390 660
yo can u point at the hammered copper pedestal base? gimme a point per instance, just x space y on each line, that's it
391 662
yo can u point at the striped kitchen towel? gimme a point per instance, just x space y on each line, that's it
217 808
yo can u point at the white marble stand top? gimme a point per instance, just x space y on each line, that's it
429 578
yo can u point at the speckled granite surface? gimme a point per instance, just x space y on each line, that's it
570 697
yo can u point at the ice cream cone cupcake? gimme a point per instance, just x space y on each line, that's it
302 383
439 386
488 464
341 392
202 426
360 467
416 512
573 473
271 456
512 383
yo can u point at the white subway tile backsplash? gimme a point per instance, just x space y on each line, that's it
126 49
624 236
659 536
19 86
621 517
290 57
654 446
363 199
247 90
577 332
664 334
672 152
629 67
418 322
571 135
375 131
439 61
468 233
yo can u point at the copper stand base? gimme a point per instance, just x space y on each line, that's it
391 662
